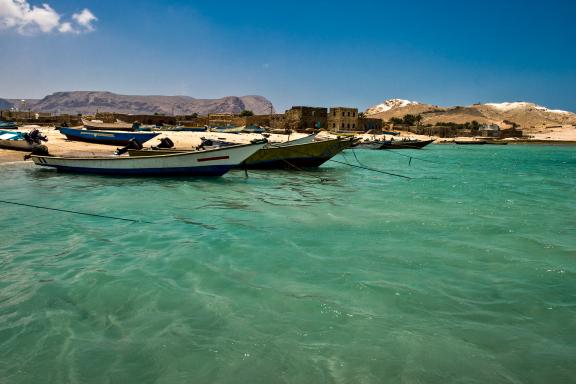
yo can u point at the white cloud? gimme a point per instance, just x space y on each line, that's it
29 19
85 19
66 28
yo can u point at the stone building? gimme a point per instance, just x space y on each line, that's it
343 119
489 130
511 132
370 124
302 118
220 119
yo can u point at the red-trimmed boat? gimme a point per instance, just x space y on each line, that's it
215 162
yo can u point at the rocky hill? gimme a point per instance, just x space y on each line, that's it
526 115
87 102
5 104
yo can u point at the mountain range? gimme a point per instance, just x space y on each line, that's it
89 102
526 115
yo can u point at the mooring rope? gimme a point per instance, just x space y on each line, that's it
345 163
76 212
410 156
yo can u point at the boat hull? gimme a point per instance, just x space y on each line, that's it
8 125
405 145
308 155
108 126
477 142
202 163
412 144
105 137
14 140
18 145
279 156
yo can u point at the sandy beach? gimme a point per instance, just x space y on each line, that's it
58 144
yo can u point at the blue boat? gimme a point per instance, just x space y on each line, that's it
106 137
8 125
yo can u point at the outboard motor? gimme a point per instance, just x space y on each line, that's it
165 143
205 143
132 144
34 137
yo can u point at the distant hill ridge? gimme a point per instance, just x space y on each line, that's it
525 114
87 102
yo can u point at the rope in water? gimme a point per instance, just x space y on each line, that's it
76 212
348 164
410 156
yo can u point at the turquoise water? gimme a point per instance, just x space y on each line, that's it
466 273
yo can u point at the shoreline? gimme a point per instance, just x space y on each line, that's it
59 145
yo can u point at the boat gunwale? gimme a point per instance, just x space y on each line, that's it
113 157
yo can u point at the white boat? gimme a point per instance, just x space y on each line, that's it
303 140
117 126
215 162
227 129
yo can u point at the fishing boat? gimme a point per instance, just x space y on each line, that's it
368 144
8 125
279 155
105 137
405 144
496 142
180 128
22 141
470 142
227 129
394 144
212 143
117 126
303 140
215 162
253 129
295 156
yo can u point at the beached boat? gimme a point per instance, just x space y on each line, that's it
214 162
253 129
227 129
21 141
279 155
180 128
118 126
104 137
8 125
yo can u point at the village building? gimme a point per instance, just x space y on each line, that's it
489 130
301 118
370 124
220 119
343 119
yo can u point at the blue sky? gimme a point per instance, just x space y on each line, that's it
299 52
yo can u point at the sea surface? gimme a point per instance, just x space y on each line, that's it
465 273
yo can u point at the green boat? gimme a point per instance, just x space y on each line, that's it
278 156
